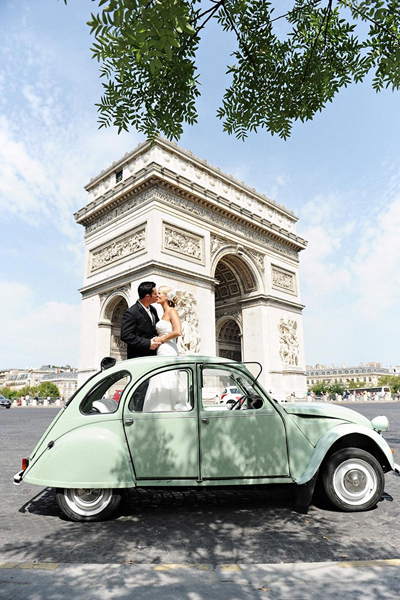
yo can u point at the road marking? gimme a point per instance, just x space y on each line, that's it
31 565
389 562
233 567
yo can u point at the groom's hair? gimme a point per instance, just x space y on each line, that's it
146 287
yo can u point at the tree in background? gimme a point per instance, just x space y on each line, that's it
393 381
46 388
27 390
355 385
320 388
285 66
336 388
8 393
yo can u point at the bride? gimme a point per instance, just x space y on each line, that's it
167 391
169 327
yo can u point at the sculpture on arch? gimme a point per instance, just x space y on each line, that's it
189 341
289 345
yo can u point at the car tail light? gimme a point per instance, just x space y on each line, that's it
25 463
223 396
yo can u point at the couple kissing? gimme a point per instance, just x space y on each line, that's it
142 330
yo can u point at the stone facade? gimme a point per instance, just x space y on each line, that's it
366 375
162 214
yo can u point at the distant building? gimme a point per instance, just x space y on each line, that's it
366 374
16 379
67 383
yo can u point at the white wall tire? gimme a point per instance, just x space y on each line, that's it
353 480
90 504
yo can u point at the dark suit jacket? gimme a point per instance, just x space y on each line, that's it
137 330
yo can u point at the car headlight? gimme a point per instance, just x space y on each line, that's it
380 423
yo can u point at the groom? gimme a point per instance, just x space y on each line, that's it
138 325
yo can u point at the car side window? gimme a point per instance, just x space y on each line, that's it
225 389
168 391
104 397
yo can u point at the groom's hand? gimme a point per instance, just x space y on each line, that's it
154 343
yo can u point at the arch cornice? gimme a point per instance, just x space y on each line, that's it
239 204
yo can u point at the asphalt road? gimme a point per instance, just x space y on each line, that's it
214 527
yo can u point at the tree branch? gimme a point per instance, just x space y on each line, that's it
315 43
247 51
356 9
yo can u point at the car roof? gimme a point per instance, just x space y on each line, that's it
142 365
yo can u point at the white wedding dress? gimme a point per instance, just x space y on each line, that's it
167 391
167 348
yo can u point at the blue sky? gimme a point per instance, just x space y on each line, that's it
340 174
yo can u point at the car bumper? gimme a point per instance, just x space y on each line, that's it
18 477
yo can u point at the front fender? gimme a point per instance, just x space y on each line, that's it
91 456
330 437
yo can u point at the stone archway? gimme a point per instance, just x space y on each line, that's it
115 311
235 282
229 338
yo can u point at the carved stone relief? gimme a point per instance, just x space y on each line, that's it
189 340
284 280
288 342
120 248
259 258
120 210
117 343
225 223
179 241
215 244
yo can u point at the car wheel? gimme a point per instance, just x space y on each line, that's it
353 480
88 504
8 406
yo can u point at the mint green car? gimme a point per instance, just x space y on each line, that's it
153 422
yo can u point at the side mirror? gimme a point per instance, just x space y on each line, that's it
107 363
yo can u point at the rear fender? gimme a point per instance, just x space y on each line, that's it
330 437
90 456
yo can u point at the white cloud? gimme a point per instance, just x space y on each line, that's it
377 264
350 276
34 334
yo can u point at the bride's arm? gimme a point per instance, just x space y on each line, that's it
176 327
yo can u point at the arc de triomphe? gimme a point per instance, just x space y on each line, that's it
162 214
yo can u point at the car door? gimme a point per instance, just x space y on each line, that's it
161 426
239 444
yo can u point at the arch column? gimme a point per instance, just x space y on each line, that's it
256 341
103 339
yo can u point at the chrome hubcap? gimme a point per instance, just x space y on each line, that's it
87 502
355 481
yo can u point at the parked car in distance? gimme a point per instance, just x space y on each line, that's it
97 447
229 395
6 402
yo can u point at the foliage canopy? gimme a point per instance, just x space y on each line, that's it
393 381
285 65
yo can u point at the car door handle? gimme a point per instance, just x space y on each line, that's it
128 421
205 420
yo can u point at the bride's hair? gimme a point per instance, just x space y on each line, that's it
170 293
